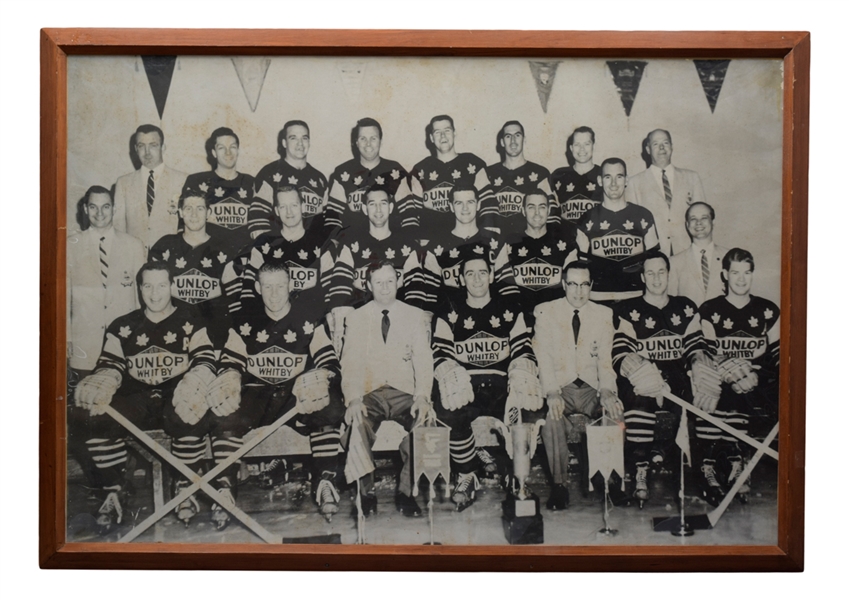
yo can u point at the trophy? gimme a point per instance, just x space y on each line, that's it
520 511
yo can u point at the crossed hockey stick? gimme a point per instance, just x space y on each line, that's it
201 482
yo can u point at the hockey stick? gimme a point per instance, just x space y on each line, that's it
724 426
197 480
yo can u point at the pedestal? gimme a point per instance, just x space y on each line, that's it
522 520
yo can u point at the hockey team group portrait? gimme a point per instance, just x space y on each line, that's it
457 301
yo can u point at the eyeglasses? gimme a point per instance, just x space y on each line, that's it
574 286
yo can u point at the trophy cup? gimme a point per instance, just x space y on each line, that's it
520 511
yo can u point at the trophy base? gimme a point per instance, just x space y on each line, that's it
522 521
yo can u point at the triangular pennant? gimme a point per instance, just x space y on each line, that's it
606 451
352 77
431 454
251 71
712 75
543 73
626 77
159 70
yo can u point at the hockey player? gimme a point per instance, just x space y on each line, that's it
483 365
658 339
197 260
155 369
424 199
351 179
576 185
510 180
741 333
279 357
292 168
305 252
387 373
614 235
540 255
229 191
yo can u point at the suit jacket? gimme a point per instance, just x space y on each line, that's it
685 275
561 359
131 204
644 189
404 361
91 307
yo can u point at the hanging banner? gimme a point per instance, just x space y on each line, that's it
431 454
159 70
352 73
543 73
251 71
712 75
626 77
606 451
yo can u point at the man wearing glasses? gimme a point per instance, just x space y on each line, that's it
573 343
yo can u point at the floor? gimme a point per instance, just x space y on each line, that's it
289 511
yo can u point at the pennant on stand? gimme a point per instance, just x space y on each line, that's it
606 451
543 73
352 77
159 70
251 71
626 77
431 454
712 75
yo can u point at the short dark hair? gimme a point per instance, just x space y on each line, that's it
192 192
355 133
570 158
536 192
379 187
654 254
699 203
737 255
82 205
469 257
440 118
644 152
281 135
213 139
287 188
465 187
614 161
154 265
148 128
577 265
498 148
274 266
378 265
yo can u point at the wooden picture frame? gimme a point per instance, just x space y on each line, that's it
791 47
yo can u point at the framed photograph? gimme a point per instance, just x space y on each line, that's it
423 300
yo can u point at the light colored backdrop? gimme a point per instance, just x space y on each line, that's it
736 149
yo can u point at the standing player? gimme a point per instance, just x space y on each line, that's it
576 186
229 191
658 339
292 168
351 179
197 260
742 336
280 356
510 180
614 235
424 201
482 351
155 369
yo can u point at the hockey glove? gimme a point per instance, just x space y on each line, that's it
707 385
95 392
455 385
739 373
312 389
630 363
524 390
647 380
190 394
225 393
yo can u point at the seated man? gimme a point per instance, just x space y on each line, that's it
280 356
155 368
573 339
387 373
484 365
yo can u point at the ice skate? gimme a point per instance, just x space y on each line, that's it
737 466
711 490
465 491
327 496
641 487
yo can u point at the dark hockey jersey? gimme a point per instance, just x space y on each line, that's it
154 355
274 353
508 189
538 264
424 199
229 206
614 244
348 184
751 332
483 340
309 181
576 193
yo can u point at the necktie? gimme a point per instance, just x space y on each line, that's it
104 264
576 325
705 270
667 191
384 325
150 192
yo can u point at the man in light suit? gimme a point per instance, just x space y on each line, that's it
102 267
665 190
146 199
387 373
696 271
573 343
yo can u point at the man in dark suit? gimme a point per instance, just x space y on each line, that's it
695 272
